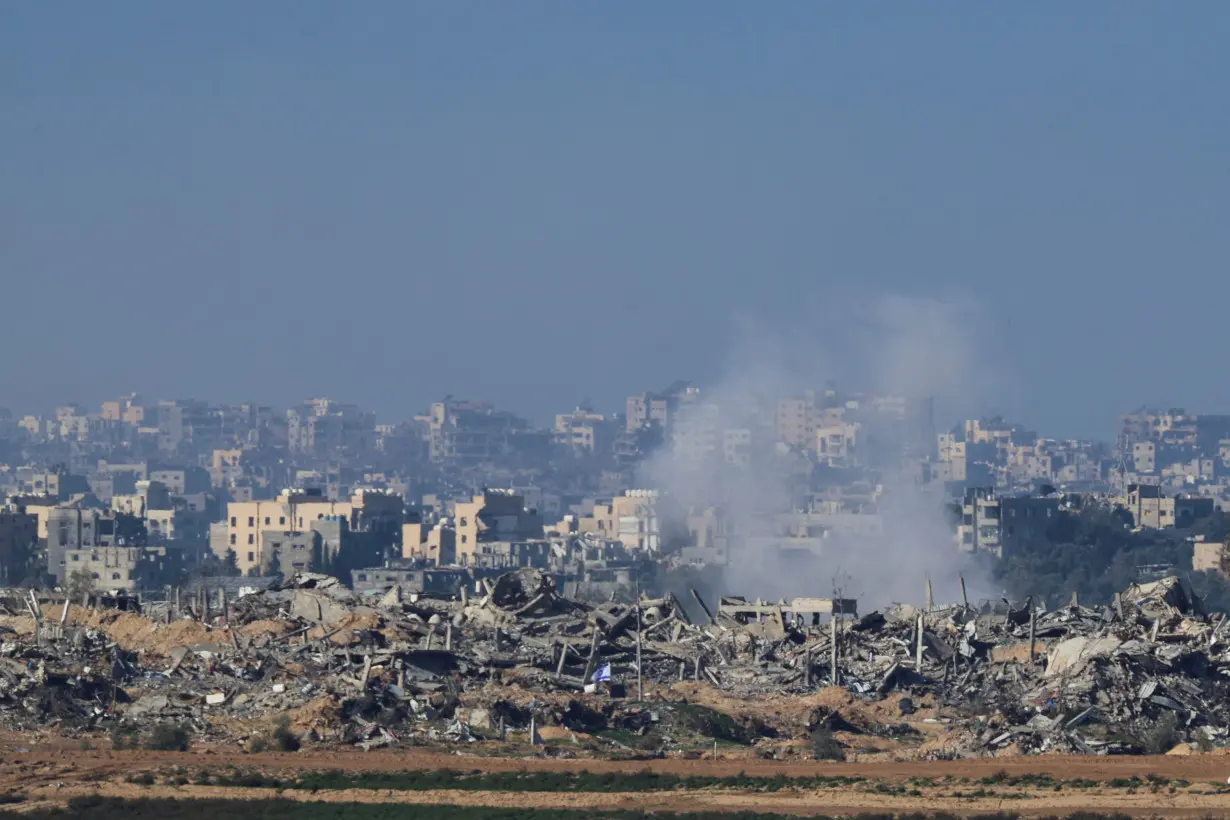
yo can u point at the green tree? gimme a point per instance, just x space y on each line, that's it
79 583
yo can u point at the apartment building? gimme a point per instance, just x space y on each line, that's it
644 520
1150 507
1004 524
493 515
583 431
294 512
796 421
18 543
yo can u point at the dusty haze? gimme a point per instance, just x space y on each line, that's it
887 344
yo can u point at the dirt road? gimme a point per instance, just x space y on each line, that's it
52 774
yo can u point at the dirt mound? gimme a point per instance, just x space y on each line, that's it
21 624
348 628
321 714
138 633
267 627
791 713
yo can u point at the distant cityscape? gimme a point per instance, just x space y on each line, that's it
142 495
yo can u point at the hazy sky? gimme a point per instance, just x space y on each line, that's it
542 202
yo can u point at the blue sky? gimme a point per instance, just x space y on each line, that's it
542 202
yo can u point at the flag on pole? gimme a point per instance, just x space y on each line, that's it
603 674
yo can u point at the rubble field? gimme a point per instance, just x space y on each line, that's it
516 669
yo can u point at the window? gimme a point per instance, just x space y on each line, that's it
266 521
232 539
464 538
282 520
76 557
232 520
94 575
251 557
251 521
362 576
115 576
251 539
463 522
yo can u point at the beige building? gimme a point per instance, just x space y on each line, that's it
1207 556
225 466
110 568
796 421
835 445
295 512
41 509
647 408
639 519
290 512
1144 456
583 431
1150 507
493 515
437 544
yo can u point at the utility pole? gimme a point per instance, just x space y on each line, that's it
833 649
1033 618
918 649
640 676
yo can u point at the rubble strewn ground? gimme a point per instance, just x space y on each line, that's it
513 666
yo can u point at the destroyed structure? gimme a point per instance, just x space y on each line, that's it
505 658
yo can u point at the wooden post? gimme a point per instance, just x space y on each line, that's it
563 656
807 668
640 677
833 649
1033 618
964 597
592 663
918 649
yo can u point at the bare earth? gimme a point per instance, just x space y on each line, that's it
51 774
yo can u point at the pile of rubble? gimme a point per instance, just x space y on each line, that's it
515 659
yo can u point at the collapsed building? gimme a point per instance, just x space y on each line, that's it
510 655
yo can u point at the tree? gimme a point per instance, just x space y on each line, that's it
79 583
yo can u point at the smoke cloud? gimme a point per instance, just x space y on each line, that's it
912 347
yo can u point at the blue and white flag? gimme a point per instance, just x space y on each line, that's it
603 674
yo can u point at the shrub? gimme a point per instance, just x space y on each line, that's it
1162 736
824 745
168 737
284 739
123 737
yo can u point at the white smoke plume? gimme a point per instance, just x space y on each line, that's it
890 345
